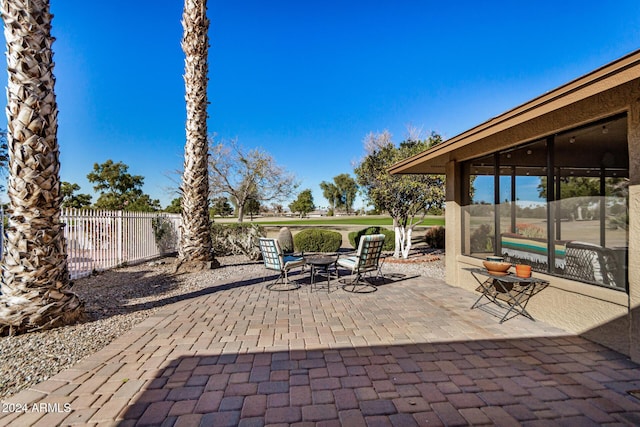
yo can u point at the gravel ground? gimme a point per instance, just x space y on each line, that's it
117 300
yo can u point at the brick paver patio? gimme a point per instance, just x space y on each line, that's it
410 354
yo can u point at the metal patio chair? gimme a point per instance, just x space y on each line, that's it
274 259
366 260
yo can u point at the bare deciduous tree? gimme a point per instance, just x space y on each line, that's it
243 175
375 141
414 133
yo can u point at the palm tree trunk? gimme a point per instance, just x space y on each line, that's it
196 246
35 280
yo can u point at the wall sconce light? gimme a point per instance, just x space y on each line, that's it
508 155
604 129
529 151
572 140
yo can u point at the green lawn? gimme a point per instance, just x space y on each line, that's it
343 220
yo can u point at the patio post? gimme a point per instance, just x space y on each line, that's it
634 230
453 220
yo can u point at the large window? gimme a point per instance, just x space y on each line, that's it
559 204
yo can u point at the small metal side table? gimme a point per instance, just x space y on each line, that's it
510 289
324 265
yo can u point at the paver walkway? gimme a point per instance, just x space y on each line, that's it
410 354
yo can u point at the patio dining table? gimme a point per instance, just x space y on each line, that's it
322 264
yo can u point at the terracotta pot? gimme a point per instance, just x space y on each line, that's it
523 270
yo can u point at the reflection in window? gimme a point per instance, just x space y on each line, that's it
481 208
571 222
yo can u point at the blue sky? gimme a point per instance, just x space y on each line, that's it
307 80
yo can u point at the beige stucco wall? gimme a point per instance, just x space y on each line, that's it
603 315
634 270
634 229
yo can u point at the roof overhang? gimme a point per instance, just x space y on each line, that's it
434 160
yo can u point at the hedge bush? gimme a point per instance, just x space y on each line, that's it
434 237
237 239
317 240
389 237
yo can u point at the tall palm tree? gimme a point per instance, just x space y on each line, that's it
35 279
195 245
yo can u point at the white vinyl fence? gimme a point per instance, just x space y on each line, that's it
100 240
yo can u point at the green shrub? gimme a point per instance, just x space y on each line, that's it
389 237
165 234
236 239
435 210
434 237
316 240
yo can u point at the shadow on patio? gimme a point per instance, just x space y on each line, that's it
532 381
140 290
